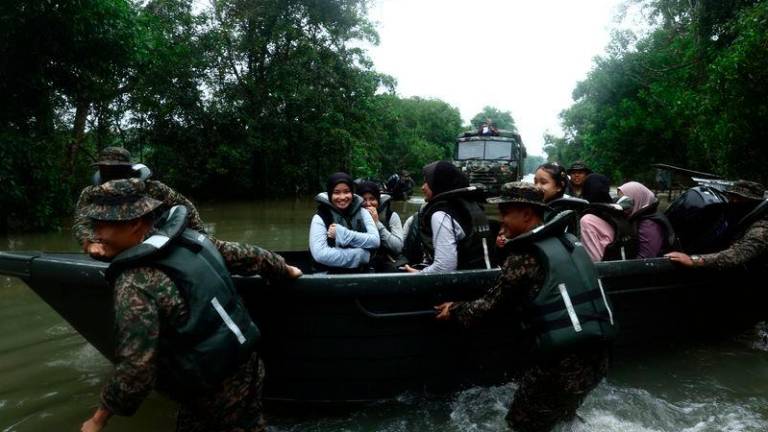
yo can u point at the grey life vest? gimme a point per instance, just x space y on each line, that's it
462 205
571 309
624 244
219 334
352 219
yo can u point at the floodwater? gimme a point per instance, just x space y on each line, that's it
50 377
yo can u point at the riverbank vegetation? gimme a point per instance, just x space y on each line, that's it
692 92
238 99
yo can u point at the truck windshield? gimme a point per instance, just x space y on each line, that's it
471 150
498 150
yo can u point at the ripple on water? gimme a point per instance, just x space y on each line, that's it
60 330
85 358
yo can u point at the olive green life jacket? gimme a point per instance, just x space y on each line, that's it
571 309
219 334
462 205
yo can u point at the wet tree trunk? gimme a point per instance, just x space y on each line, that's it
81 115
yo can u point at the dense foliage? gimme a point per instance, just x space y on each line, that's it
693 92
242 99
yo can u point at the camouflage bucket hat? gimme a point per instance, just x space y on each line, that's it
579 166
121 200
114 156
519 193
748 189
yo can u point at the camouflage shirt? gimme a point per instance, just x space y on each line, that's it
753 245
147 305
520 281
83 229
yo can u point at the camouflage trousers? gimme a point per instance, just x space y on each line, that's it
234 407
551 391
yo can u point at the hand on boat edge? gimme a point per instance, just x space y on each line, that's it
443 311
680 258
293 272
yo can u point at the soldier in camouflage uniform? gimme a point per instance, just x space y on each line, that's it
150 309
552 387
750 238
115 163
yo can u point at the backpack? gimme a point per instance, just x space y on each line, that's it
699 217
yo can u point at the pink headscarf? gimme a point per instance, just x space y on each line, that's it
641 196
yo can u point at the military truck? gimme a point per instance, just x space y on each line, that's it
490 160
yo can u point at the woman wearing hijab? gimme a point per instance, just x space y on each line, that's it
387 222
604 229
655 234
453 227
341 235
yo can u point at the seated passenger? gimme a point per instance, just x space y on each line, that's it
749 235
341 235
655 234
388 223
453 227
605 230
578 171
551 178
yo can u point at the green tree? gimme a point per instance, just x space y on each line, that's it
690 93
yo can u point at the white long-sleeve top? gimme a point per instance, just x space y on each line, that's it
446 233
392 238
351 248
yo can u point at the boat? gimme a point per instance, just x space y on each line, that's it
371 337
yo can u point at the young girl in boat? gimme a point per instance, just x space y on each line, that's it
342 235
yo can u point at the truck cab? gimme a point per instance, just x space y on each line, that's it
490 160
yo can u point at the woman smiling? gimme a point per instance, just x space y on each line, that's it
341 236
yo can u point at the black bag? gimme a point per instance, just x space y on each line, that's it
699 217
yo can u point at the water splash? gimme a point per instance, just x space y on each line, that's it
757 337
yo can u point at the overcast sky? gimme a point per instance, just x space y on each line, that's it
519 56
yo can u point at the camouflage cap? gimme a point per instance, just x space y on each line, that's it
519 193
579 166
114 156
748 189
120 200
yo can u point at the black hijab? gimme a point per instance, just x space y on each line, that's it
369 187
336 178
443 176
595 189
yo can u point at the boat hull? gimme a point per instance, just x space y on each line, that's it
346 338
